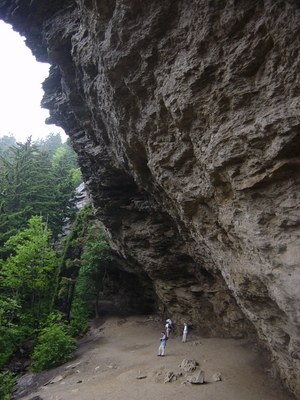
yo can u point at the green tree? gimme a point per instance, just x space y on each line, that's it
5 142
29 186
96 265
93 269
7 382
50 144
68 178
55 345
71 258
9 312
65 165
96 262
29 275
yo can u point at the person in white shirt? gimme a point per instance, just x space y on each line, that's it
163 342
168 327
185 332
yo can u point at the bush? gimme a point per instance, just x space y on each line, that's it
79 326
82 310
7 349
8 330
55 347
7 382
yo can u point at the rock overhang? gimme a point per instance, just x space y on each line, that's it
185 119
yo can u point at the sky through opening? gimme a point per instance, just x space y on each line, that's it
21 78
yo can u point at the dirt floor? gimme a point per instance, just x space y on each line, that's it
118 359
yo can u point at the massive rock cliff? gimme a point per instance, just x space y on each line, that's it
185 117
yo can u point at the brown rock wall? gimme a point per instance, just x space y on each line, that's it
185 117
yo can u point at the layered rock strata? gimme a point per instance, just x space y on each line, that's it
185 117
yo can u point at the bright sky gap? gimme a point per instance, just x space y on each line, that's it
21 92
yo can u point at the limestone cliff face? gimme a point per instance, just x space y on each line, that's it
185 117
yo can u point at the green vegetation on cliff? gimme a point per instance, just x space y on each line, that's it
43 279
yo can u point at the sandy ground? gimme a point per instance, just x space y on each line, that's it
117 359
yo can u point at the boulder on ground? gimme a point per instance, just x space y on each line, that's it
188 365
196 379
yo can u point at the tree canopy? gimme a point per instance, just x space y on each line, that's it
42 277
28 279
30 272
5 142
30 185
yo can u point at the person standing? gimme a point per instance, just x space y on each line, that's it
185 332
163 342
168 327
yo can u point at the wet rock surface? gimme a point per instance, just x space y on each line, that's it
185 118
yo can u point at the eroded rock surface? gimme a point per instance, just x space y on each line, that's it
185 117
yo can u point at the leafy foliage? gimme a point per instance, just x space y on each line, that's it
96 260
50 144
37 181
71 258
63 166
30 186
7 382
29 280
9 311
5 142
30 272
55 346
